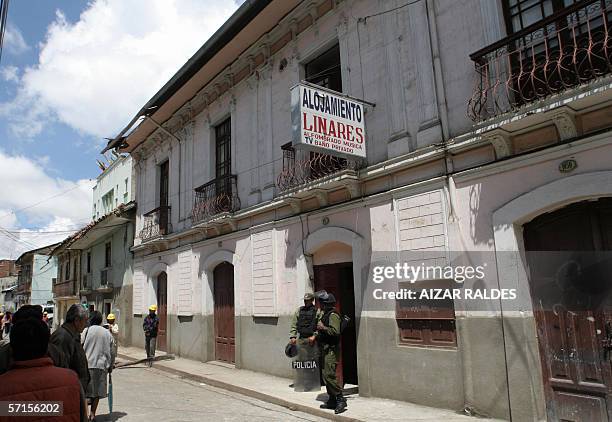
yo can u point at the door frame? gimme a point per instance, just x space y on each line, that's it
214 316
166 331
305 282
527 388
207 266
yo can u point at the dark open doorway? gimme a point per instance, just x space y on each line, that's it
338 280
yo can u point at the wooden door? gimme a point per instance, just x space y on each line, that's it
225 345
162 311
570 283
338 280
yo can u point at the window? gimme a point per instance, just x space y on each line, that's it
108 262
520 14
426 322
223 156
67 270
88 262
164 174
325 70
74 269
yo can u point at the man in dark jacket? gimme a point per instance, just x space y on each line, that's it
33 377
67 338
25 312
150 325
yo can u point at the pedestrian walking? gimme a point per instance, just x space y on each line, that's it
113 328
6 323
329 338
6 353
98 345
67 338
1 325
46 319
34 378
150 326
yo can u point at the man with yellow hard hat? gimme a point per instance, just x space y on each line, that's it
113 327
150 326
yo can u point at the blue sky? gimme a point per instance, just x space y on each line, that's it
71 154
72 73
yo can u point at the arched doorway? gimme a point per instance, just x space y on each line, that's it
161 294
333 272
570 278
223 294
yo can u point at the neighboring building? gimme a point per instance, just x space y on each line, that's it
8 268
99 252
8 285
66 284
37 270
106 265
113 187
234 224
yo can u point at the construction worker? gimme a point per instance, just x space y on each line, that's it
329 338
113 327
150 326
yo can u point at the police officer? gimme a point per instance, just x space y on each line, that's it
304 322
328 336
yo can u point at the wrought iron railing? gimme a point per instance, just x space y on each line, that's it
215 197
105 278
156 223
314 166
562 51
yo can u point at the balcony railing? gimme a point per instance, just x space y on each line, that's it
564 50
297 172
156 223
86 284
64 288
106 278
215 197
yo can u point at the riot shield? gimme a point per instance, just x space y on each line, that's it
306 367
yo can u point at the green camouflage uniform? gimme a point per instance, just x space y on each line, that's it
330 340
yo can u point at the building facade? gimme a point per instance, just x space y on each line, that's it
113 186
96 260
234 224
37 271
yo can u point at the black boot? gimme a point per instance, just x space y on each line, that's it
340 404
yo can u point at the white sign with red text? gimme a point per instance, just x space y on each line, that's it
326 122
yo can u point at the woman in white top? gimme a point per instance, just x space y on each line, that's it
99 347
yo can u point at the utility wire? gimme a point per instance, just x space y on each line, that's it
40 202
4 4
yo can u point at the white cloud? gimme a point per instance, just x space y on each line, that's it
64 205
14 42
10 73
95 74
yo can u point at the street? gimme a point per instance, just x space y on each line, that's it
143 394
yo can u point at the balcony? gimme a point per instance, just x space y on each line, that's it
64 289
311 170
570 48
86 284
156 224
216 197
106 282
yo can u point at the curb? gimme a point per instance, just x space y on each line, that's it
251 393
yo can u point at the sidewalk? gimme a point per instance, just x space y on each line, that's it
276 390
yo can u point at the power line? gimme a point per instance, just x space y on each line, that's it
40 202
